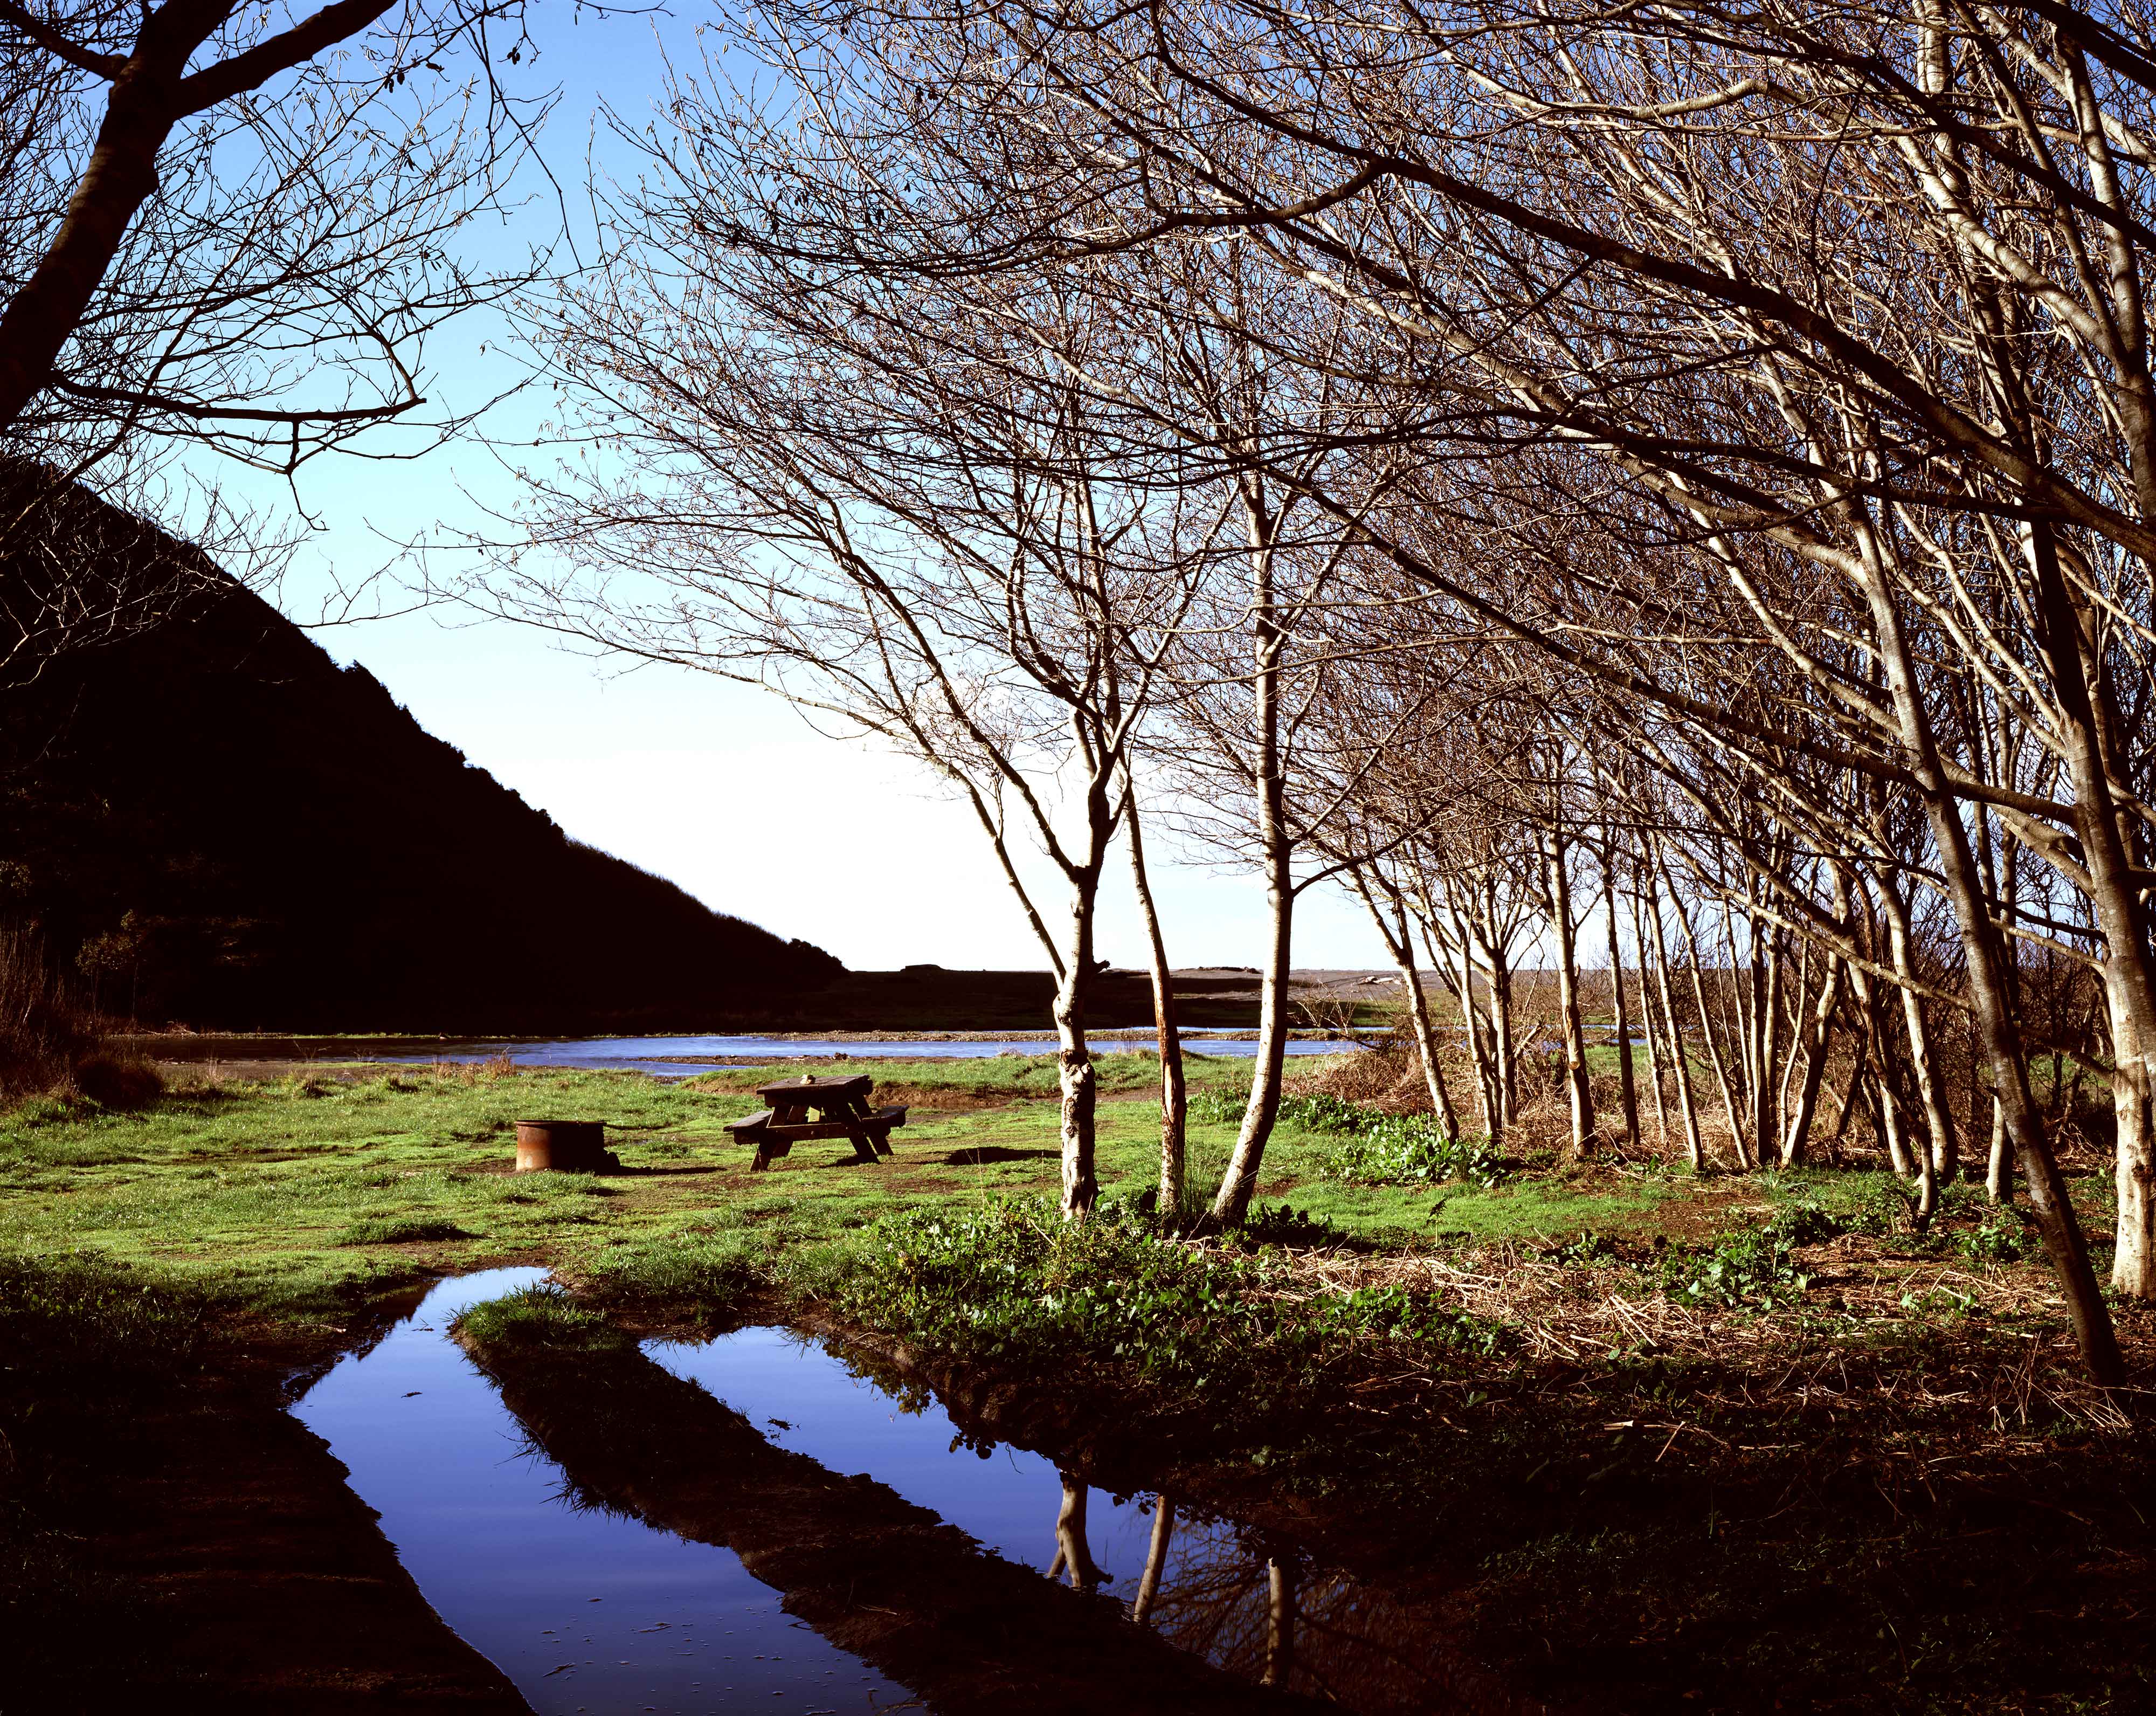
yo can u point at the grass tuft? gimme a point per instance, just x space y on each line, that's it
400 1230
542 1316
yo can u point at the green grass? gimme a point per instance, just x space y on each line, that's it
299 1194
137 1245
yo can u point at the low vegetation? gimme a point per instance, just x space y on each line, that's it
1667 1407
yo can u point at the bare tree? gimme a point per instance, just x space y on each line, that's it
883 502
229 227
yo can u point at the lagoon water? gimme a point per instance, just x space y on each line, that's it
591 1612
686 1056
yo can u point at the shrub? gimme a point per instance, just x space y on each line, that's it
1998 1238
1374 1148
1589 1247
1808 1223
120 1082
1278 1225
1012 1282
1751 1268
1213 1107
43 1032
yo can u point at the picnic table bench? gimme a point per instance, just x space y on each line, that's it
842 1103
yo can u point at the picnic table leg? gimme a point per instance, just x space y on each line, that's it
764 1157
864 1145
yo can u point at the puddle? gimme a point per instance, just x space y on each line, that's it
1222 1592
484 1528
593 1611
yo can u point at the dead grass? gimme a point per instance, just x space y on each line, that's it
1877 1330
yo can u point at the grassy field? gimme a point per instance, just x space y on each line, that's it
1723 1423
298 1195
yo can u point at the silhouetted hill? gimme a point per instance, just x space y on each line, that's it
225 829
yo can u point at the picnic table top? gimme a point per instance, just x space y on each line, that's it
795 1093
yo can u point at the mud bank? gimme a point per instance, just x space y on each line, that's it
249 1577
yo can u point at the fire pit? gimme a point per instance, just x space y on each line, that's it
565 1146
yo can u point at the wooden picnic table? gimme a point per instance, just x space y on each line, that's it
842 1103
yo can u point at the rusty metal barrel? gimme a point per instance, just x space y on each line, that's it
565 1146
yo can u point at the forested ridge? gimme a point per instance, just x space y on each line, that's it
210 823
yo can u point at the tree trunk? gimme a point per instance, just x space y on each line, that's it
1817 1042
1648 1026
1501 1013
1470 1025
1156 1564
1941 1151
1074 1556
1714 1060
1174 1093
1628 1093
2129 981
1240 1181
1681 1066
1280 1621
1399 942
1998 1169
1075 1080
1581 1100
1998 1031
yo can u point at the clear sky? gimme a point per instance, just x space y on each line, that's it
667 767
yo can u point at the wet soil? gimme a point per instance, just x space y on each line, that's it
248 1577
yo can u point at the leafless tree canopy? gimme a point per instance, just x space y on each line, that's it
232 229
1670 490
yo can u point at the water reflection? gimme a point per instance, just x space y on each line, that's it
1074 1557
686 1056
599 1585
585 1610
1211 1586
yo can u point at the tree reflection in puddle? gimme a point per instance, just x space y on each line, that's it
1264 1611
1211 1586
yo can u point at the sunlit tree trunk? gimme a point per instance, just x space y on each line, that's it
1628 1093
1819 1039
1679 1063
1650 1026
1077 1082
1174 1095
1998 1030
1557 886
1239 1183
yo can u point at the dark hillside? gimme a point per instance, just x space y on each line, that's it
218 826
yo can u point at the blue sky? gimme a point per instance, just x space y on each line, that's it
667 767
